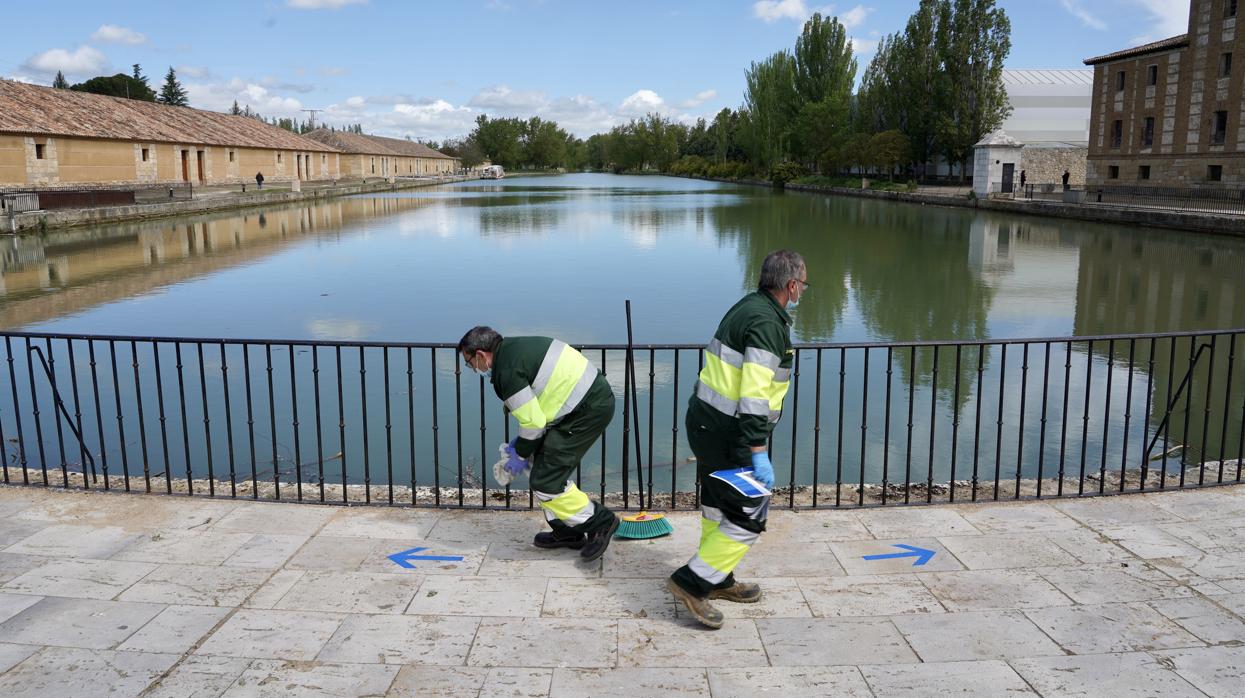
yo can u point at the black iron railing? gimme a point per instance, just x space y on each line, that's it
1216 199
403 424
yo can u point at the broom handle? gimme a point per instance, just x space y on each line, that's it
635 406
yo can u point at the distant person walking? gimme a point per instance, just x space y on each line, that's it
259 179
1066 175
1022 179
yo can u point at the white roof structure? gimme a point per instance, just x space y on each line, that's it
1051 107
999 138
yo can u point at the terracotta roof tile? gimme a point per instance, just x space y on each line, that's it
36 110
349 142
1170 43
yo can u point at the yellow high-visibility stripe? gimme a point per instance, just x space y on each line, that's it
572 506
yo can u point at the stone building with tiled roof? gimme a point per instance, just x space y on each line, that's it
376 156
1171 113
61 138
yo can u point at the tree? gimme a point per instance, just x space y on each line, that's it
824 65
771 102
60 82
119 85
978 42
171 93
890 149
138 74
235 109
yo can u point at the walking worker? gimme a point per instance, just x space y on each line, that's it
563 405
737 401
259 180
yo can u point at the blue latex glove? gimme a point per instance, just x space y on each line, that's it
515 464
762 470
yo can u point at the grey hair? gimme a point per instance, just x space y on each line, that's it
780 268
479 338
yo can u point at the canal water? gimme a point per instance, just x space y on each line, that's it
559 256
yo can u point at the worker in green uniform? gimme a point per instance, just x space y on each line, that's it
563 404
734 407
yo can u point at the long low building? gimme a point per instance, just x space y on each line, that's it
55 138
366 156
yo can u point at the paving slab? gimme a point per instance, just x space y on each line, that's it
261 634
1123 675
82 578
660 643
1089 546
281 679
1210 622
609 598
199 677
1210 534
63 540
1017 518
984 552
198 547
953 637
378 558
266 551
84 623
833 641
845 681
781 597
64 671
272 591
397 524
1216 671
274 518
13 604
1148 542
545 642
628 682
350 592
1108 512
1114 582
175 629
15 564
987 590
196 585
434 640
471 682
1111 628
851 556
983 677
13 529
868 595
927 521
331 554
11 655
509 559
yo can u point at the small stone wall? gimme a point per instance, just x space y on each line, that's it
1046 165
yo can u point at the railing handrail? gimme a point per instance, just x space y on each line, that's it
380 344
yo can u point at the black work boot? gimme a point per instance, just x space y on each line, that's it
599 540
554 539
700 608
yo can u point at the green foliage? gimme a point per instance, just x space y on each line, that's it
60 82
785 172
171 93
119 85
533 143
772 103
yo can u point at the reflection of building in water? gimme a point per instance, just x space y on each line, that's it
990 249
92 267
1144 281
1030 264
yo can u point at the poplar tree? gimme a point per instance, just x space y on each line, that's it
60 82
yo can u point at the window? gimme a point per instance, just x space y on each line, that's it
1119 81
373 165
1214 173
1113 172
1143 172
1229 8
278 158
1147 132
1225 65
324 159
1117 133
1152 75
145 155
39 151
231 156
1220 132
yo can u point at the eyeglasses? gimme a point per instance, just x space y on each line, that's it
803 284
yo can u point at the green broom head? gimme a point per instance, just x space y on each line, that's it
643 525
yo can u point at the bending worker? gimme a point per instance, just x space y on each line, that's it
563 404
736 403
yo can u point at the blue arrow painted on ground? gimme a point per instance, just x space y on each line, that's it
921 554
404 558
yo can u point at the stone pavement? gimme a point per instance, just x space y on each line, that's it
122 595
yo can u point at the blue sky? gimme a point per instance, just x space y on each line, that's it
427 69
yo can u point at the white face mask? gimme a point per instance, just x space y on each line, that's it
791 304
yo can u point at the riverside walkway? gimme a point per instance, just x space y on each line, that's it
126 595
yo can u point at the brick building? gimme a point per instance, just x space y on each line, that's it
1170 113
53 138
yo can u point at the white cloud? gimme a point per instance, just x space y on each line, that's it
642 102
855 17
83 60
220 96
700 98
111 33
1170 17
334 71
502 98
194 71
1074 8
774 10
862 46
322 4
